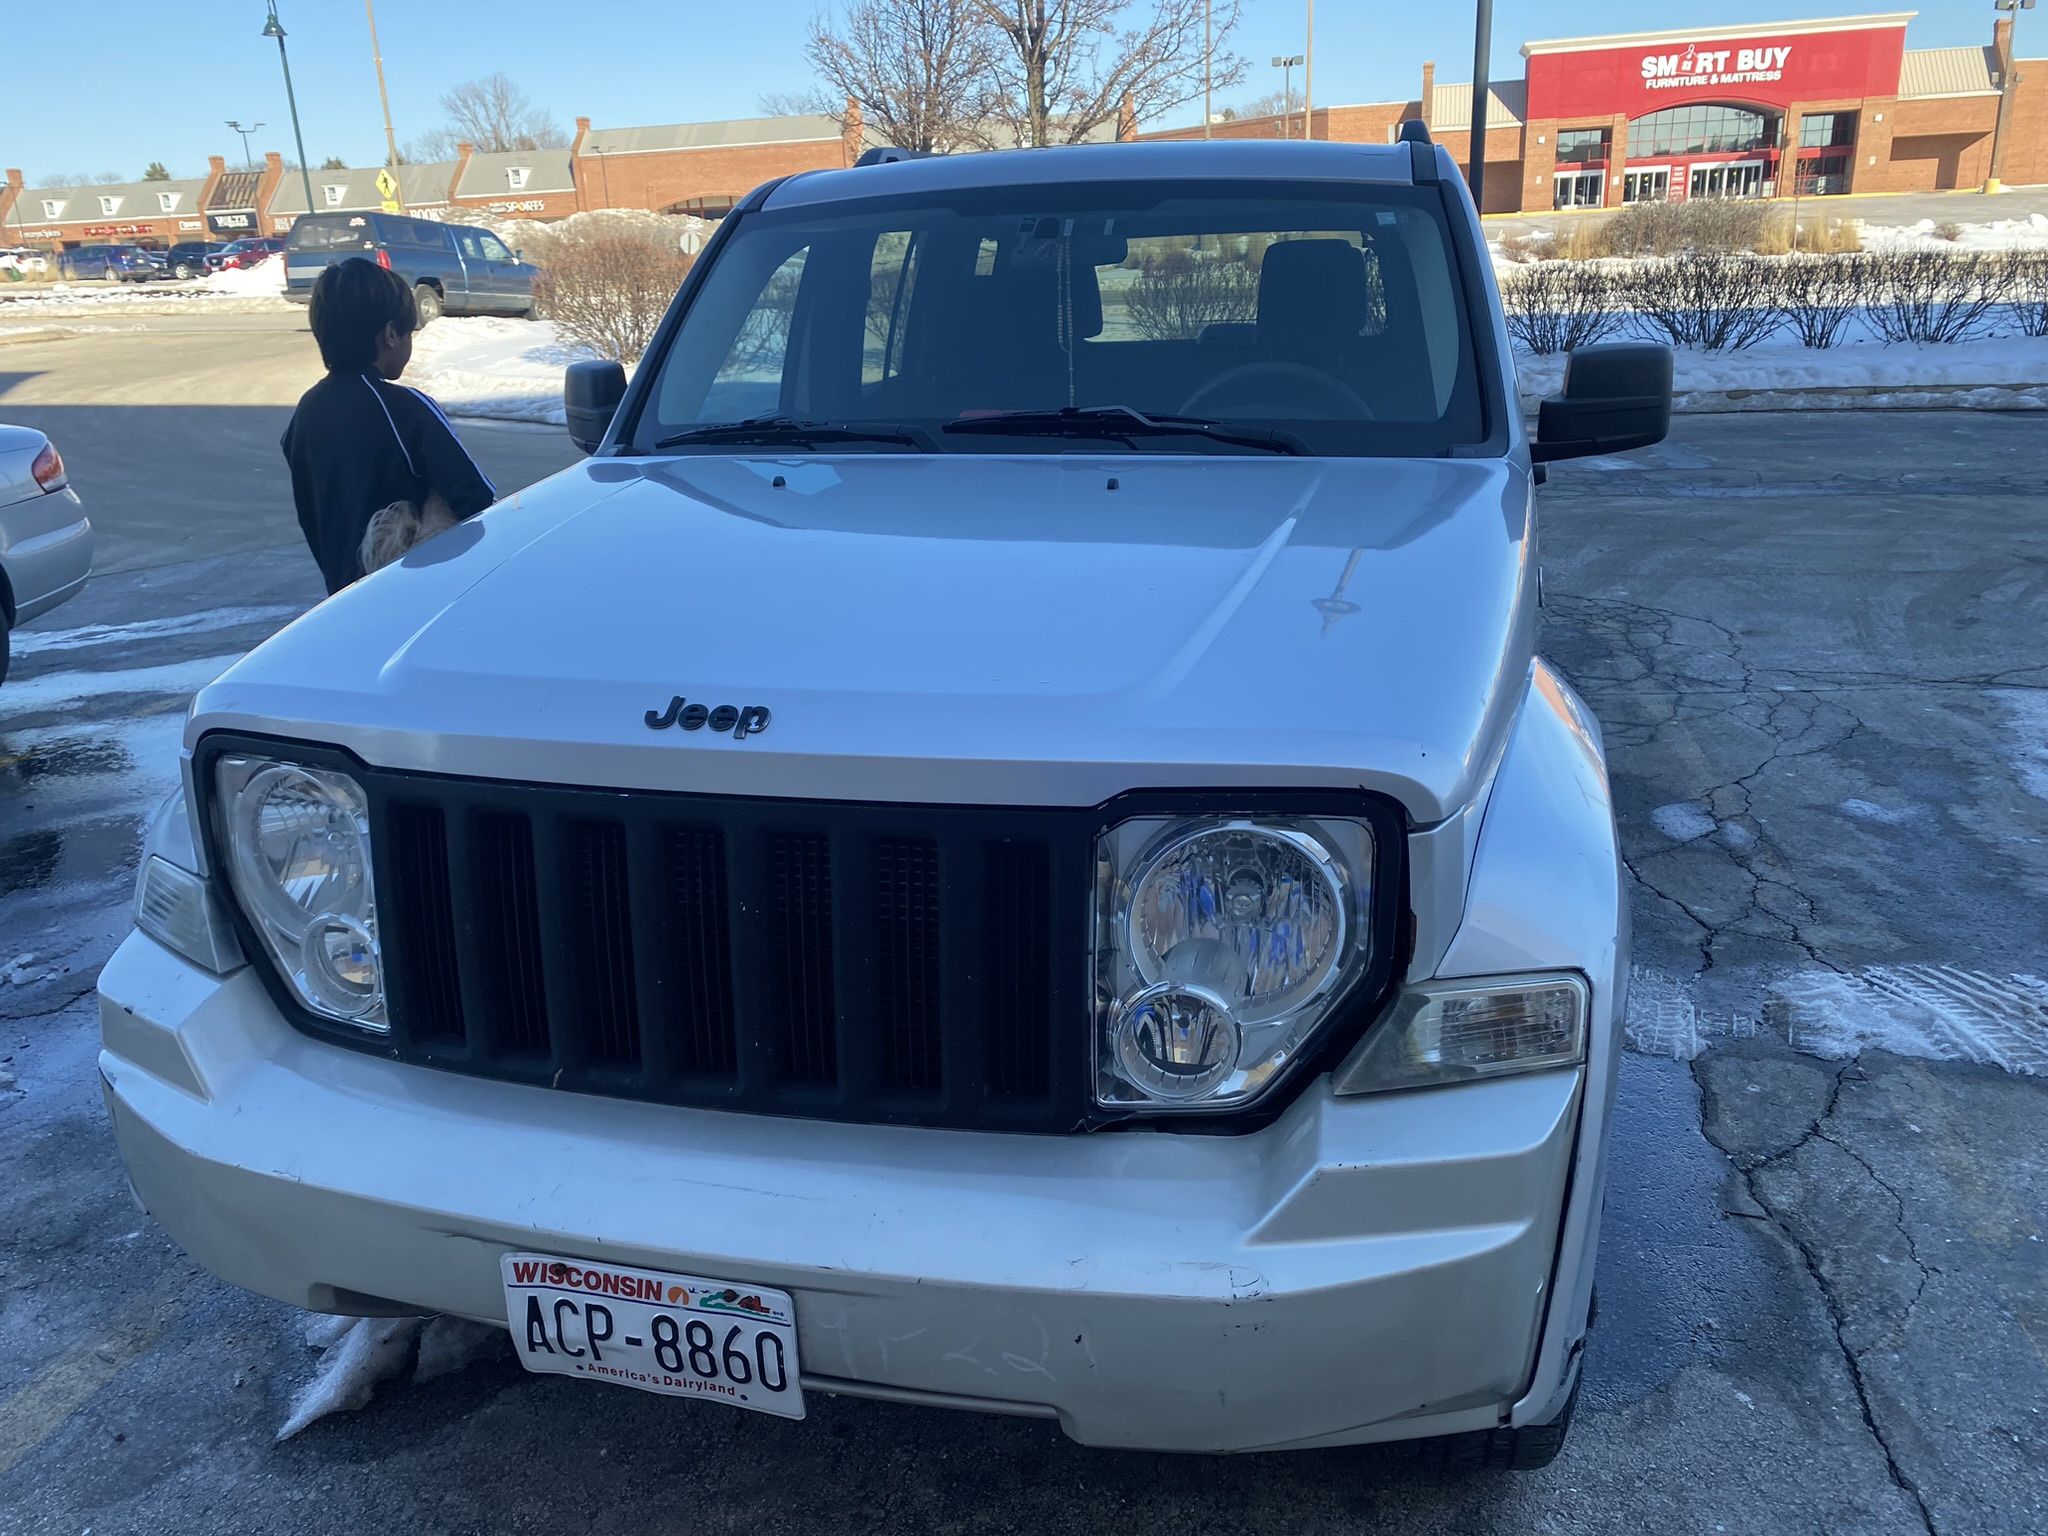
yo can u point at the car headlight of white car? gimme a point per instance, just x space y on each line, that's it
1222 944
295 843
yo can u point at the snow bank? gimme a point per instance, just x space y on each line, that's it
2002 372
509 370
2028 234
265 280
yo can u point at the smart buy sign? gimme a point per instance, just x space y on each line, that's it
1715 66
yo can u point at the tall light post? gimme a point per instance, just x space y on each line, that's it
273 28
2008 86
384 96
235 127
1287 63
1482 50
1308 77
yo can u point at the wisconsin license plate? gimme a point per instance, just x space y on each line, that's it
679 1335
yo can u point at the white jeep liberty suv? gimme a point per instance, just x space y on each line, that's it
1001 842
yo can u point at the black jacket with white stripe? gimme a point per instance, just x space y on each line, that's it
355 445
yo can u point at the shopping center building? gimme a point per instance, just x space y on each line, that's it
1816 107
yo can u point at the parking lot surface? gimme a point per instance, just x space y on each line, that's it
1816 645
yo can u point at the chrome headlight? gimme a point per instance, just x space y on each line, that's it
1220 946
297 846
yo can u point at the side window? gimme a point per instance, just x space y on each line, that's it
494 250
892 273
472 249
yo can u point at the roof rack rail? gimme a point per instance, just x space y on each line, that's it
889 154
1415 131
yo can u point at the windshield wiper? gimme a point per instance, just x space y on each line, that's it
779 430
1121 423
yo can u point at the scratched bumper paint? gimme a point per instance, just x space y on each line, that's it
1359 1270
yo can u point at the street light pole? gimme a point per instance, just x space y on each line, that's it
390 139
1482 49
2008 87
253 128
273 28
1308 77
1285 63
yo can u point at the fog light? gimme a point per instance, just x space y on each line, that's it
342 965
1456 1031
1175 1040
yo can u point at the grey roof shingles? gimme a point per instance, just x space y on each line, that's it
420 186
1948 72
138 200
547 171
796 129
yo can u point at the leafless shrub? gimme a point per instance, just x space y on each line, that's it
1556 306
1178 292
1718 301
1666 229
2026 290
1533 246
1934 295
1947 231
610 294
1784 234
1819 295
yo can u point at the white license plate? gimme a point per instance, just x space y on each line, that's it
679 1335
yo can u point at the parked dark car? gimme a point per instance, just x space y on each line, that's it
111 263
192 258
244 253
456 269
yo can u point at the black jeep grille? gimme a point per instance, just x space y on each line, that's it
894 964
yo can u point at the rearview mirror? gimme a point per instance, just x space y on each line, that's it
591 392
1616 396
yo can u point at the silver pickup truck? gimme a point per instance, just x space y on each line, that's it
1001 843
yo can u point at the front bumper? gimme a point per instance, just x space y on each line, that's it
1362 1269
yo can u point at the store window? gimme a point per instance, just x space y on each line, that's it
1822 175
110 205
52 207
333 192
1576 146
1648 186
167 201
1701 130
1577 189
1827 130
515 176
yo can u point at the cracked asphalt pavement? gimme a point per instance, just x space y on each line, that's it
1818 645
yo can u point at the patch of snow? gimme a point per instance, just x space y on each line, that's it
451 1344
1890 816
489 366
1683 820
56 689
1933 1012
2029 233
264 280
357 1359
2026 711
28 642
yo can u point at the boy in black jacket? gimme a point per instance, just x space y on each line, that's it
359 440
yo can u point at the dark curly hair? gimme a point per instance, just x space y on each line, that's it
353 301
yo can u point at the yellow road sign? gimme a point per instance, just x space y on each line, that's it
387 188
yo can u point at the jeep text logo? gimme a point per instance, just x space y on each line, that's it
1714 66
750 721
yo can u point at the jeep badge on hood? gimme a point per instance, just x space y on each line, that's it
749 721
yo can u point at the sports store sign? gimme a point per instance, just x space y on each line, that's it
1771 66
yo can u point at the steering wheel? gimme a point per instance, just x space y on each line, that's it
1296 385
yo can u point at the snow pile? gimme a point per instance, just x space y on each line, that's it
509 370
2003 373
360 1354
2029 234
265 280
538 239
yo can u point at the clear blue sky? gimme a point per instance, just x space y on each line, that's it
113 84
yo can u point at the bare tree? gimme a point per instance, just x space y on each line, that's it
494 115
1272 104
1065 67
81 179
919 70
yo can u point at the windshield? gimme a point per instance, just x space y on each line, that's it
1332 319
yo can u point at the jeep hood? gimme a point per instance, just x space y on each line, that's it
1033 630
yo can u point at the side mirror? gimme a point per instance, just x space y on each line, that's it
1616 396
591 392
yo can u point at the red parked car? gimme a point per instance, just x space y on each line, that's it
244 253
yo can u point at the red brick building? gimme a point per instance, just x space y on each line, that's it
1824 106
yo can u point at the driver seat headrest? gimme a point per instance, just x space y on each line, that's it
1311 292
